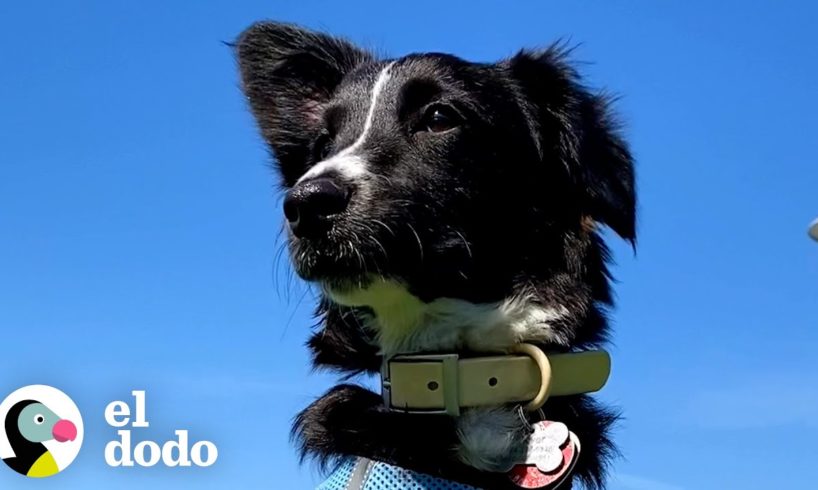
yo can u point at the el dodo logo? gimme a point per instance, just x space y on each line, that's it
41 432
175 452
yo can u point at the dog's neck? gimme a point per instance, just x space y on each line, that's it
405 324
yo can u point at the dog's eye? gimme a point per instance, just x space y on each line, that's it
322 146
439 119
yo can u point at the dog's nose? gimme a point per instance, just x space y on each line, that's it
309 205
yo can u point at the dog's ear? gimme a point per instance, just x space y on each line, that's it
288 74
579 126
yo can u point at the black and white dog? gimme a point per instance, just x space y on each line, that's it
441 205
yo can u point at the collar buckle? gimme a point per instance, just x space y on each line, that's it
441 388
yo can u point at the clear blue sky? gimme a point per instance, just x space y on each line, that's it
139 227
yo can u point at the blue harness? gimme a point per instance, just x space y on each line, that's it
365 474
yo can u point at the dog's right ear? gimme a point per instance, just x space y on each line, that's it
288 74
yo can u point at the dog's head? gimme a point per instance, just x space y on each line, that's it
456 179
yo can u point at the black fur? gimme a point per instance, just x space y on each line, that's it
506 201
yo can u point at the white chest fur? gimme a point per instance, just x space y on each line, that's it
405 324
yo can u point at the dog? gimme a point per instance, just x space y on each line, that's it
441 205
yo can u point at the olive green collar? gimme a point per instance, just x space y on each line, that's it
446 383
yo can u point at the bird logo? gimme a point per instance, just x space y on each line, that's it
43 431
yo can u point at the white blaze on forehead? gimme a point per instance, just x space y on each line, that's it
347 162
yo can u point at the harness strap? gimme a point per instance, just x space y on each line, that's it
360 474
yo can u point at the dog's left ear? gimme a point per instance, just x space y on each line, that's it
288 74
580 127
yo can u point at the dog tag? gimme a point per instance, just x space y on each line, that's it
552 452
545 445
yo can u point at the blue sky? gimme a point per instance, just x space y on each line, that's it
140 227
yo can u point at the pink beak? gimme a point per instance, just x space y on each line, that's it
64 430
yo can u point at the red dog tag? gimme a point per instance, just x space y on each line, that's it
551 455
